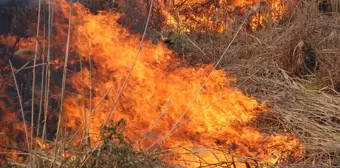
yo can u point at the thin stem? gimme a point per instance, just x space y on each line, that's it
63 82
34 73
21 107
48 67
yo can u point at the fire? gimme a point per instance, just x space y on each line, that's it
11 131
216 127
218 16
273 12
161 85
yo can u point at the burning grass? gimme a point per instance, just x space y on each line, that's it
266 66
269 64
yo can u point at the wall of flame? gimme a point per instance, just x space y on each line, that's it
158 75
219 121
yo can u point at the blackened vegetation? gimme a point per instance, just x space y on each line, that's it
16 19
301 59
20 22
22 61
6 21
136 14
24 76
97 5
329 7
309 59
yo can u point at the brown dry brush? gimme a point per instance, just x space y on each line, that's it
298 76
304 44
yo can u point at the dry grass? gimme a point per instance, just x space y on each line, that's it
303 103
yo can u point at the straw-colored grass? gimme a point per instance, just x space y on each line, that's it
305 104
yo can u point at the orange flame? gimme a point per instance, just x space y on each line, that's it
11 131
160 89
218 15
158 75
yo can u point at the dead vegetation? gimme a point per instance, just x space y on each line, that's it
275 64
